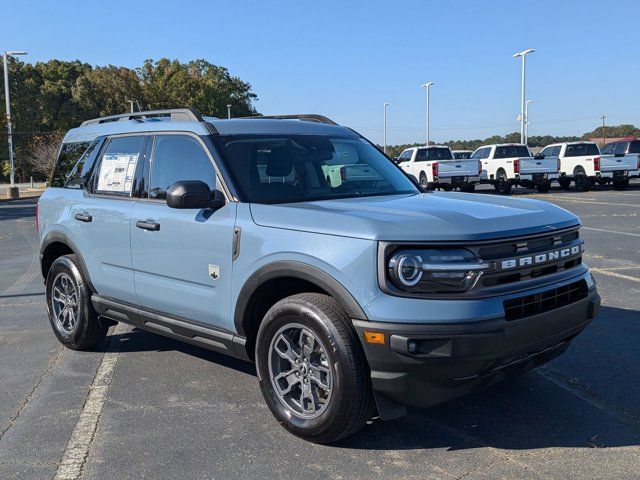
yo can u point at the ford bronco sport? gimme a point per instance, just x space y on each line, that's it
355 297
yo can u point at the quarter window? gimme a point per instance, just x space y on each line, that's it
67 159
118 165
177 158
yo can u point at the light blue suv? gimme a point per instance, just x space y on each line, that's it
356 295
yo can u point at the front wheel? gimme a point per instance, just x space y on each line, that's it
565 183
621 184
71 314
312 370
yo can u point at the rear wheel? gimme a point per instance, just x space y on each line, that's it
581 181
543 187
71 314
312 370
621 184
447 187
468 188
565 182
504 185
424 183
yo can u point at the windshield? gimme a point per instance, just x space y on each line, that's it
438 153
581 149
297 168
511 151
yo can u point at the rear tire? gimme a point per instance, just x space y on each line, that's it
503 185
468 189
424 183
312 370
621 184
565 183
543 187
581 181
71 313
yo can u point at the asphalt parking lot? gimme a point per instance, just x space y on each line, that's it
176 411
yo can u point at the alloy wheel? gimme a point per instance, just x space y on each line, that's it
65 303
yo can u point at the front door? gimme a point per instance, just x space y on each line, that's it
182 258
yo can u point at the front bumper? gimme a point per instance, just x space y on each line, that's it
421 365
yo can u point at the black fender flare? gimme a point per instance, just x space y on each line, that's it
299 270
57 236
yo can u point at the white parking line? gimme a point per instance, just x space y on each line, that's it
612 231
604 271
564 199
77 449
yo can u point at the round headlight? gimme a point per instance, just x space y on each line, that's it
406 268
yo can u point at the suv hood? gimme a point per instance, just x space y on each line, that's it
421 217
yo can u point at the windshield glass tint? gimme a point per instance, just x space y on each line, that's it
581 149
434 154
297 168
511 151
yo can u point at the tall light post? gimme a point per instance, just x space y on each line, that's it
526 120
13 191
426 86
523 55
385 127
228 111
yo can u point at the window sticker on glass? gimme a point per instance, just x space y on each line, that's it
116 172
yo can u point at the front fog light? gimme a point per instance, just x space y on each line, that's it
434 271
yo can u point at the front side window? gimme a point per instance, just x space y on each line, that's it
477 155
405 156
67 159
547 151
581 150
485 153
118 165
511 151
178 158
621 147
608 149
437 153
297 168
634 146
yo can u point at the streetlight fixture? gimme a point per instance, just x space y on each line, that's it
523 55
526 120
13 191
228 111
385 127
426 86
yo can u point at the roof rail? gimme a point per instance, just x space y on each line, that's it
306 117
176 114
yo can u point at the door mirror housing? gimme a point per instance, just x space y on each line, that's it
194 194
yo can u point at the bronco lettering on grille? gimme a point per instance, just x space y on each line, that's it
540 258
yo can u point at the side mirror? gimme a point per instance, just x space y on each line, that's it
538 156
194 194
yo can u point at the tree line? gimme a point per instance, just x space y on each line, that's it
49 98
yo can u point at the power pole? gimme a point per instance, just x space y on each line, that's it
603 117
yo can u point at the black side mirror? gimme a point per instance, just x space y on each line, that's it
194 194
538 156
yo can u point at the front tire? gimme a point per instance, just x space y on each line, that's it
312 370
71 313
565 183
621 184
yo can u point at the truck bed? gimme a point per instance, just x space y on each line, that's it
457 168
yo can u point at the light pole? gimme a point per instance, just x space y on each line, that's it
526 120
603 140
13 193
385 127
228 111
523 55
426 86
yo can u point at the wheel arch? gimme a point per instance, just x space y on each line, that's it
278 280
56 244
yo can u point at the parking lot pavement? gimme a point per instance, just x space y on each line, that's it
172 410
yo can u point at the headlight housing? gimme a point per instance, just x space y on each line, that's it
433 271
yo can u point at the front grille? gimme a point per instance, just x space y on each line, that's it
538 303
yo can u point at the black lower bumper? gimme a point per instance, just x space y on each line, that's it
426 364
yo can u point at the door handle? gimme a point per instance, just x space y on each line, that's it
83 217
148 224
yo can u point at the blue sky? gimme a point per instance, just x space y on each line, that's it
346 58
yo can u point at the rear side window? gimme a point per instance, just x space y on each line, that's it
80 174
434 154
608 148
176 158
117 166
621 147
511 151
634 147
67 159
581 150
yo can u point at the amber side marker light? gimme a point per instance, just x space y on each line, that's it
373 337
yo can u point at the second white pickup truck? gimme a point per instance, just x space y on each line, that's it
511 164
435 167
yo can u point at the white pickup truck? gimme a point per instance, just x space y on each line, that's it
582 163
511 164
625 152
435 167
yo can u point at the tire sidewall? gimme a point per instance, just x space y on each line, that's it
65 265
280 315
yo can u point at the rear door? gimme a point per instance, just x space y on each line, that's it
182 258
100 217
